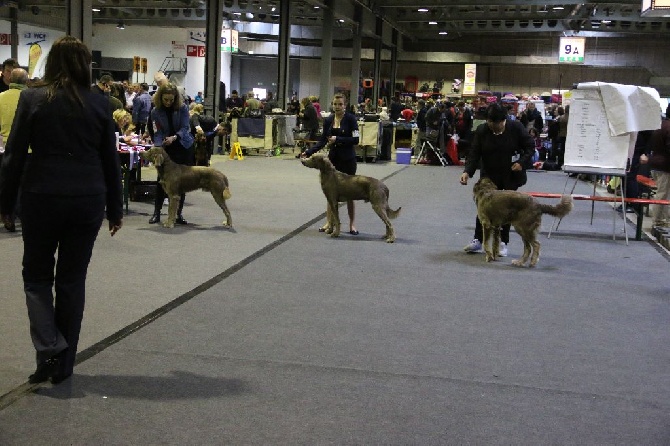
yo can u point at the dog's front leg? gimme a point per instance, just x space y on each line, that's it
334 220
172 210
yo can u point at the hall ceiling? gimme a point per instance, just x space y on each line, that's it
442 20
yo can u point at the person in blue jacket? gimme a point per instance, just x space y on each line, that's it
172 131
340 135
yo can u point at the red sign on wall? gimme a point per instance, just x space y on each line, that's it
195 50
5 39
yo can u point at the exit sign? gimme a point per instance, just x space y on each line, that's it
571 50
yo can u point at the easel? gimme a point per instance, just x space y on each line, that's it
612 173
236 151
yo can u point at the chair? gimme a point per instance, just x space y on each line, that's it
430 142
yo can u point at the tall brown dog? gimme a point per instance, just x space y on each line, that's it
340 187
177 179
498 207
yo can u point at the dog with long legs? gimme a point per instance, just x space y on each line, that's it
340 187
498 207
177 179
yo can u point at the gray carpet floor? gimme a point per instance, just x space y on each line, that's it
274 333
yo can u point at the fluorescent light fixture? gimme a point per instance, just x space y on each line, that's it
341 20
96 9
432 23
443 33
558 8
422 10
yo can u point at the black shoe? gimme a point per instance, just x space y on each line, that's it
10 226
59 377
180 220
156 218
44 371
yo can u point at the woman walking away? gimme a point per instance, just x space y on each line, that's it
68 181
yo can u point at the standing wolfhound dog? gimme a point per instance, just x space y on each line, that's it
499 207
340 187
178 178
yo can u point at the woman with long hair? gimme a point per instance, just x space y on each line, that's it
172 130
71 178
340 135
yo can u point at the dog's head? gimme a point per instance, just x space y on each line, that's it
155 155
482 186
318 161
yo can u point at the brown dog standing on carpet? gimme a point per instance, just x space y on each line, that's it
498 207
340 187
177 179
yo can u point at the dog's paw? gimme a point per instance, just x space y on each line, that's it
490 257
517 262
330 231
390 240
168 225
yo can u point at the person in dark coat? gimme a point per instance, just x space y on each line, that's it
68 182
340 134
501 149
172 131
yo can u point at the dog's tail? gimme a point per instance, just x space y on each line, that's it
226 190
391 213
562 209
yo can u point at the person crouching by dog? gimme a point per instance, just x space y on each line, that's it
501 149
340 135
172 131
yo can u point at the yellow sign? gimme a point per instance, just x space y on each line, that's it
144 65
136 64
236 151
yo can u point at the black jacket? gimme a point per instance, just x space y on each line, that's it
493 154
73 150
343 149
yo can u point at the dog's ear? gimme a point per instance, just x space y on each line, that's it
158 159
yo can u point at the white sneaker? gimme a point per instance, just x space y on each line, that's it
474 246
502 252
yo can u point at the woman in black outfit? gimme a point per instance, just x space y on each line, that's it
340 135
68 181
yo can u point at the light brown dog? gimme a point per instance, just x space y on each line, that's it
498 207
177 179
340 187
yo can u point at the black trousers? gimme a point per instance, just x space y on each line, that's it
68 225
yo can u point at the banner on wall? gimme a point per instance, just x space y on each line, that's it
33 41
178 48
470 79
229 41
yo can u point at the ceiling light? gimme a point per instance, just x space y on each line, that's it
443 33
543 10
341 20
96 9
558 8
432 23
422 10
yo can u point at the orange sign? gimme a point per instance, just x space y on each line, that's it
144 65
136 64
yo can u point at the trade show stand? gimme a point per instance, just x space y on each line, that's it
266 133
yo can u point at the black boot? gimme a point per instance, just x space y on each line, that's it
156 218
180 219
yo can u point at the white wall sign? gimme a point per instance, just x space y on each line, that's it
571 50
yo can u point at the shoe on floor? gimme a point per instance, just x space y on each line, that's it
156 218
180 220
474 246
502 251
629 209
